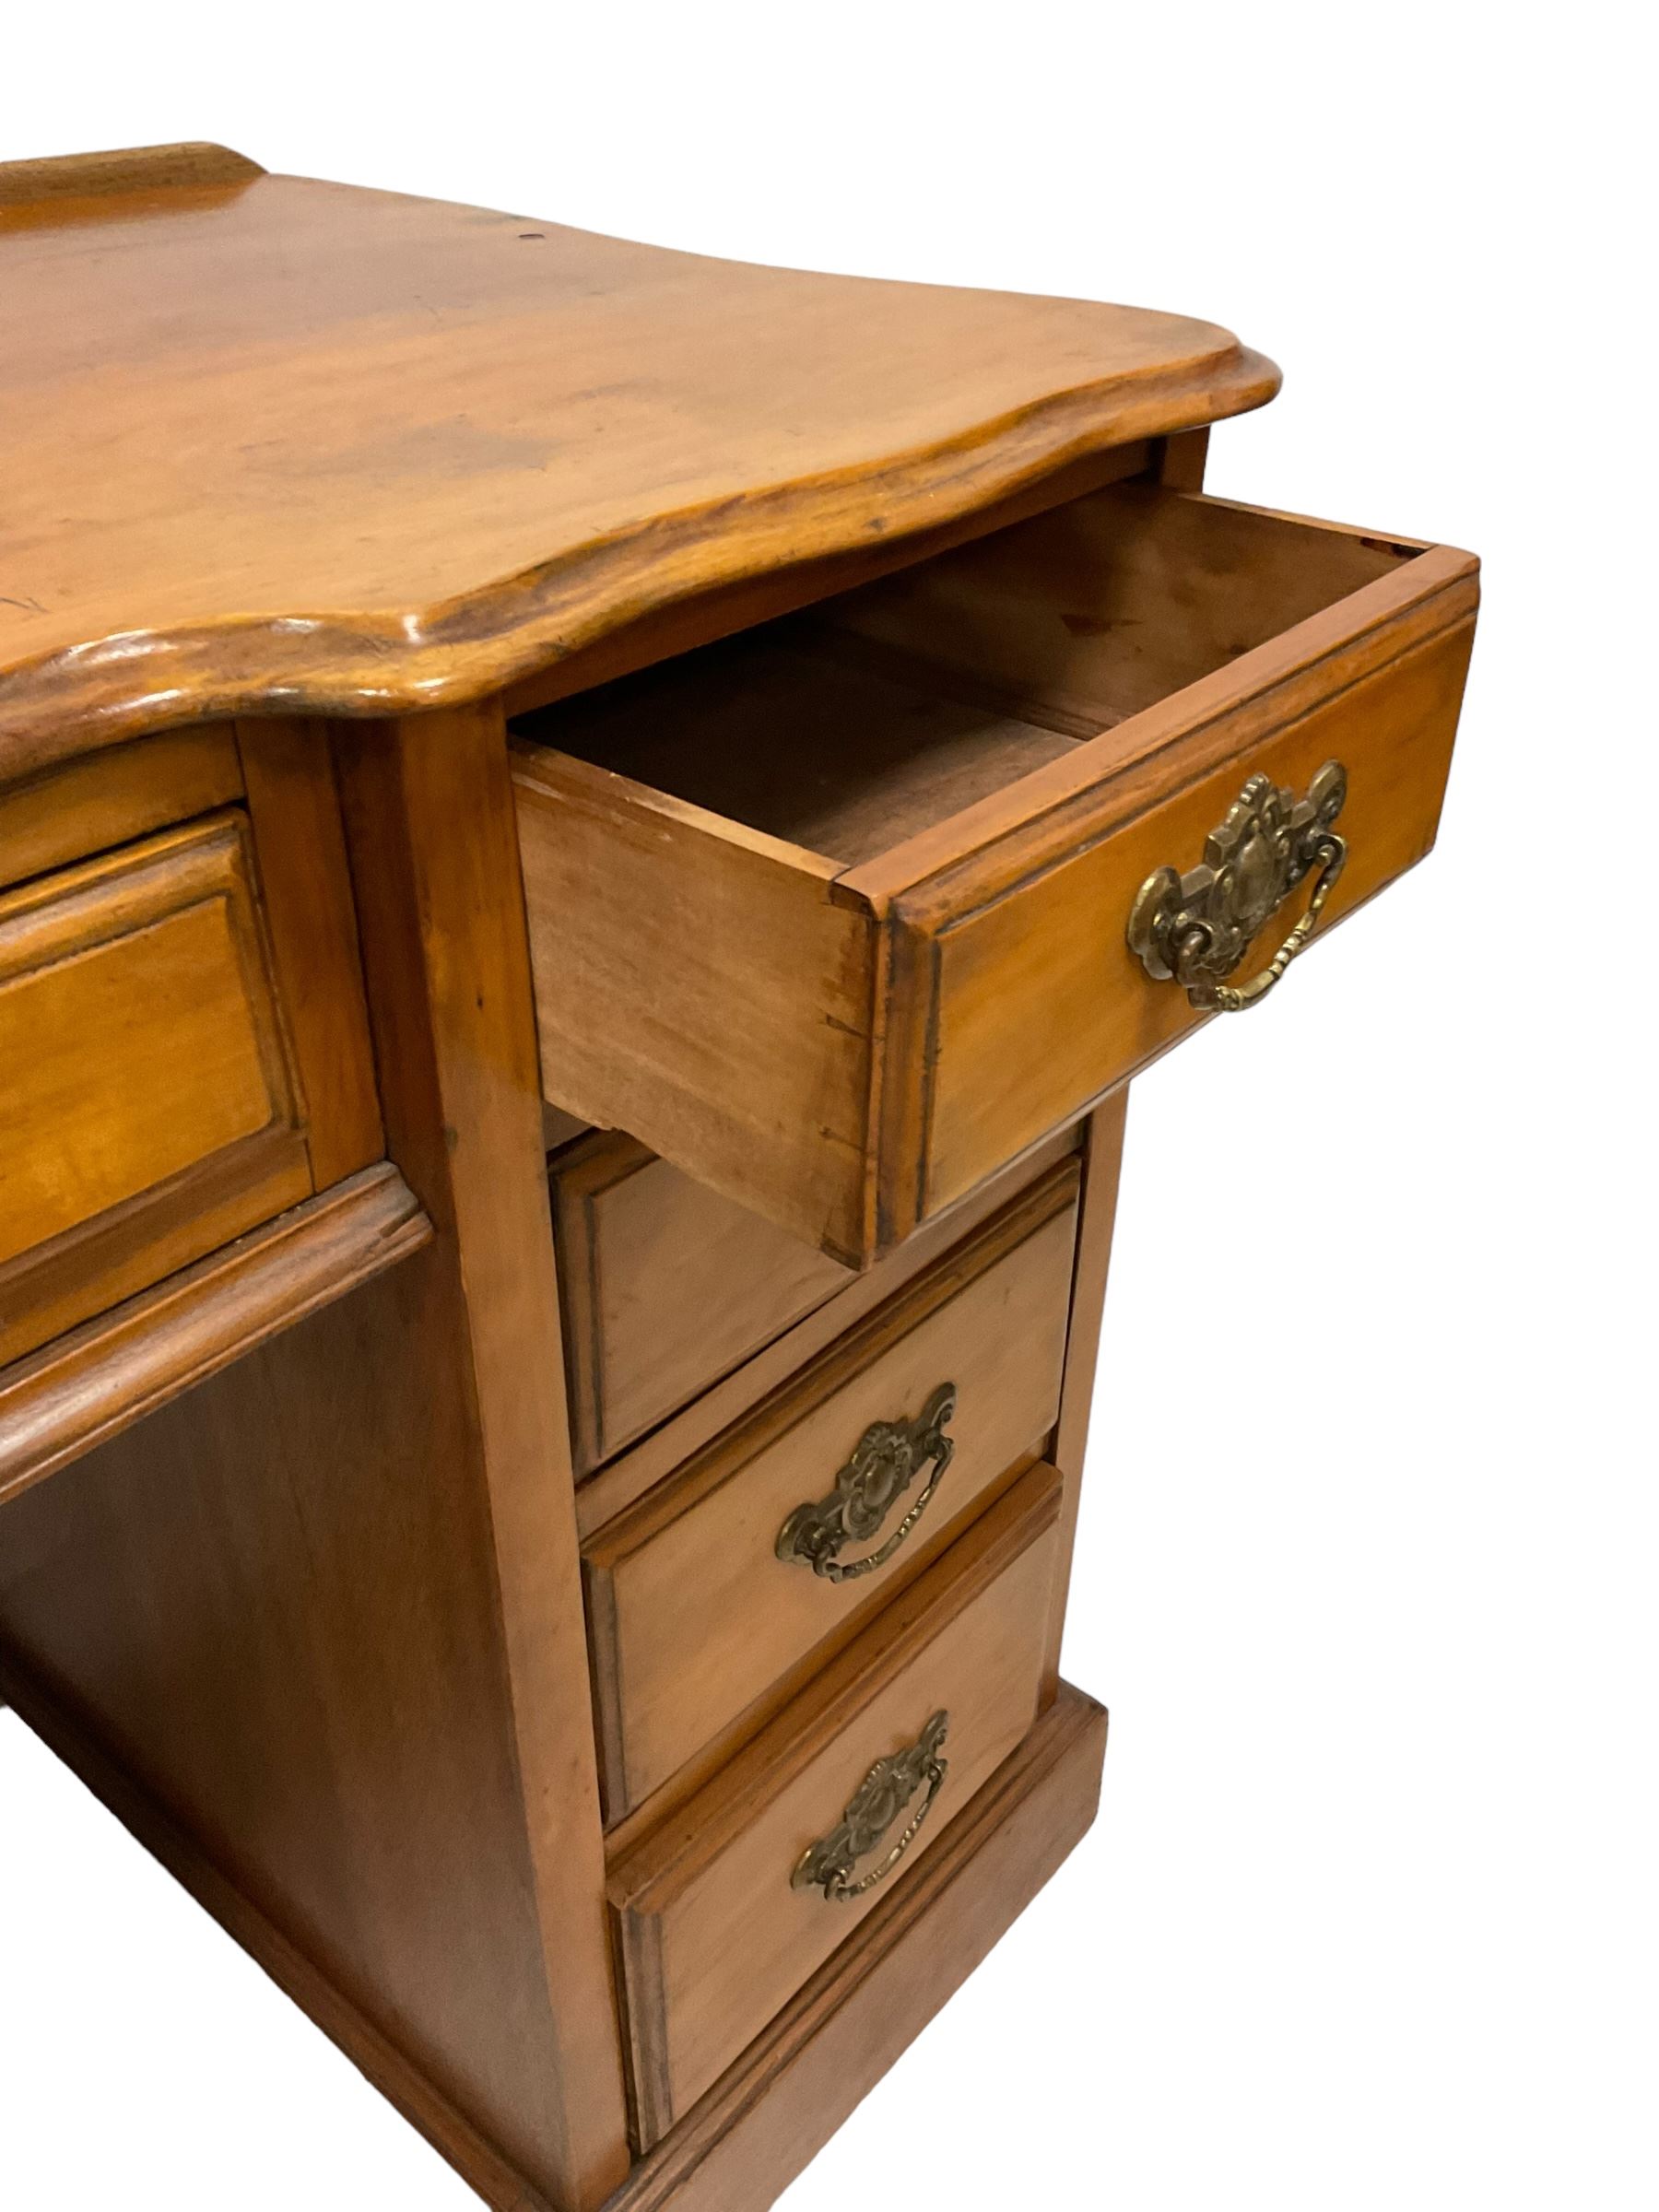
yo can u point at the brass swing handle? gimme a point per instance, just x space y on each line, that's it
1195 929
890 1456
878 1802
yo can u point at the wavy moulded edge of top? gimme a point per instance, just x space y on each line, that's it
385 662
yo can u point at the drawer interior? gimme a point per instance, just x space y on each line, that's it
875 716
833 914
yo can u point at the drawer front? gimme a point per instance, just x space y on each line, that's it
667 1287
1018 997
145 1086
694 1613
726 1911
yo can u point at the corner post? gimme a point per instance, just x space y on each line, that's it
435 850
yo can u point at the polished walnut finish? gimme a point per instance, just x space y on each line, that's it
611 1490
716 1933
845 981
667 1287
102 800
473 459
98 1380
693 1616
145 1090
787 747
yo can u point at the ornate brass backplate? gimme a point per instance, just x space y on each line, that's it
878 1802
1194 929
890 1456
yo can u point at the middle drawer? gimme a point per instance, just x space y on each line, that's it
769 1548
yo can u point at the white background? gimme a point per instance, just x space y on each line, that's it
1366 1568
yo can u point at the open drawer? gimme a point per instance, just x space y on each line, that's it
842 914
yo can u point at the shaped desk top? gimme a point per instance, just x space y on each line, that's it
272 444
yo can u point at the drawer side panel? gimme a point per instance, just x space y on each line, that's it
703 992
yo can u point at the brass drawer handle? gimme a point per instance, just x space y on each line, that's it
876 1802
1194 929
890 1456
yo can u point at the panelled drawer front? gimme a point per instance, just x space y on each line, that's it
694 1614
1016 992
846 1035
667 1287
722 1915
145 1094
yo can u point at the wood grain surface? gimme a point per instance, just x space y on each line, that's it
627 1479
665 1287
100 800
309 955
311 917
699 987
321 1612
363 453
714 1940
71 180
88 1386
1038 720
744 2142
430 824
693 1616
148 1102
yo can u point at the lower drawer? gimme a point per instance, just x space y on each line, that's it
727 1910
765 1552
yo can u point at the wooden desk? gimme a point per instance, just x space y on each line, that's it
589 841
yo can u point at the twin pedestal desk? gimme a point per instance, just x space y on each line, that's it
589 840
